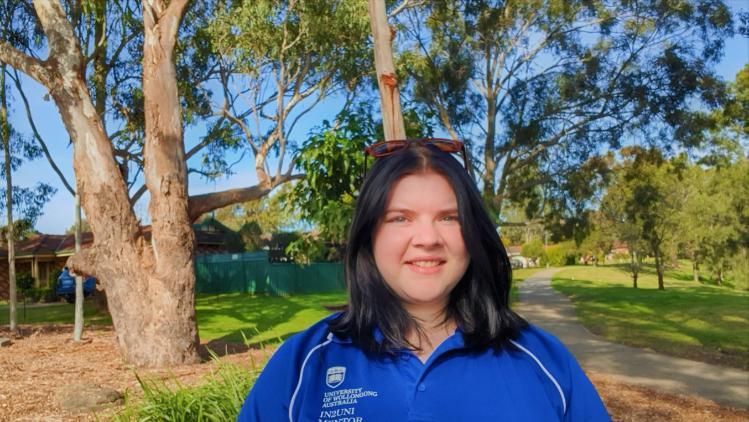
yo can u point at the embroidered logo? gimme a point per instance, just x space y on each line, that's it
335 376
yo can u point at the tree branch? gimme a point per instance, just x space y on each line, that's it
201 204
25 63
38 137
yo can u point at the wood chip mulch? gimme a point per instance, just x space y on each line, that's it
35 365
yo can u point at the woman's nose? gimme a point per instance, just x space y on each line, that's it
425 234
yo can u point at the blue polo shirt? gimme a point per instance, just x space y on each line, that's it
316 376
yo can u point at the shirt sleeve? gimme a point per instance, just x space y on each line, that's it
581 400
584 402
269 398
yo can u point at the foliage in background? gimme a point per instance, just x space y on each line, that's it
277 61
533 250
560 254
538 87
643 203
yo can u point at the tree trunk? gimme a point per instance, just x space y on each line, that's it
165 172
78 325
659 269
392 117
634 268
490 162
720 276
5 130
695 271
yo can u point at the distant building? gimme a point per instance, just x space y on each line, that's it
517 260
44 255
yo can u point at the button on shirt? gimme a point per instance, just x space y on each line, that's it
315 376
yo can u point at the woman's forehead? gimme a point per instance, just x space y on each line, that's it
421 190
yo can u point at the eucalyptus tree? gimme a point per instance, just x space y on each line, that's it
278 61
161 64
537 86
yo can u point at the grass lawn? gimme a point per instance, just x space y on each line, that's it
261 318
687 319
222 317
227 317
53 313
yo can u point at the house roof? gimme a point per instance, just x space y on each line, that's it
516 249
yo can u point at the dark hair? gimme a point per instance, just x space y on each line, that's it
479 303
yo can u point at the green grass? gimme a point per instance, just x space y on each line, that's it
226 318
687 319
221 318
53 313
261 319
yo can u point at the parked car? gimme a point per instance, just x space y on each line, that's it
66 286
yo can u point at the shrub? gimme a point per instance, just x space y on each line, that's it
24 282
218 399
49 295
33 294
560 254
533 250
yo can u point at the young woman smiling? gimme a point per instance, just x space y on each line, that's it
428 334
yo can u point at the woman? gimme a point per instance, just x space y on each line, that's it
428 334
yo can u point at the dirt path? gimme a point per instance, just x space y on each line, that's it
552 311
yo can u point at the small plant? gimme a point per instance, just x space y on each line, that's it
219 398
24 282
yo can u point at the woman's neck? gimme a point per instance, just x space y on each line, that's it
434 327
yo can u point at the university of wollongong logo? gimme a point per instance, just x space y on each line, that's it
335 376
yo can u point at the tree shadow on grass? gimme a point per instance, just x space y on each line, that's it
646 317
239 322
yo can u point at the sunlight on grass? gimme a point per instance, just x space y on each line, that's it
54 313
686 319
227 317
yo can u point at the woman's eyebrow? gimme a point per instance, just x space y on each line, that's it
408 210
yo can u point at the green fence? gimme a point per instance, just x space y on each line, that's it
252 273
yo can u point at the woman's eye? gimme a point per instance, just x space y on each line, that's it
397 219
450 218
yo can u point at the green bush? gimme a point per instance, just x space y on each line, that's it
49 295
44 294
218 399
533 249
560 254
24 282
33 294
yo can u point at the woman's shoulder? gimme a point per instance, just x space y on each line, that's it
546 351
537 338
300 344
555 362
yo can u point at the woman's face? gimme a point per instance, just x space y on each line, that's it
418 245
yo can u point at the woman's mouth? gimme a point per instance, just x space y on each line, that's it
426 266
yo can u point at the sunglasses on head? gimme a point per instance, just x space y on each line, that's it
385 148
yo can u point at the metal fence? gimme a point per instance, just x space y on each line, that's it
251 272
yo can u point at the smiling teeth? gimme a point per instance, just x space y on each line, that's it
426 263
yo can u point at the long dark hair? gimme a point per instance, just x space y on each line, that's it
479 304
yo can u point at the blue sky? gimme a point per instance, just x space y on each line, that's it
58 213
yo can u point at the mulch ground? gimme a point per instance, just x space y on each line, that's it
36 365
